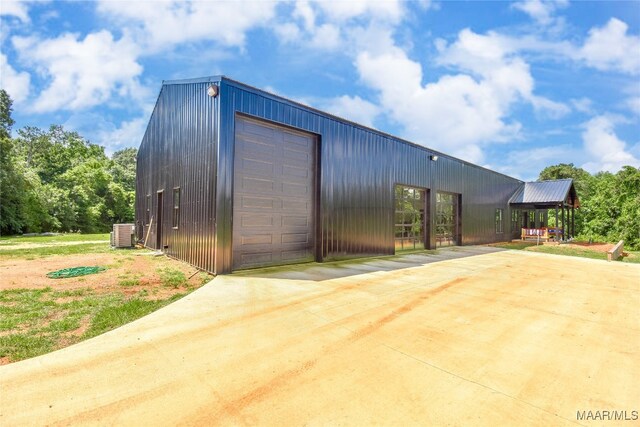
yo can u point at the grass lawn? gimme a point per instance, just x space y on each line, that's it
633 256
39 315
68 237
38 321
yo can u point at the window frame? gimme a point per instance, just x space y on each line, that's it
499 219
175 220
147 214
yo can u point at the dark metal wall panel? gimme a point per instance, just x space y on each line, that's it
358 170
179 150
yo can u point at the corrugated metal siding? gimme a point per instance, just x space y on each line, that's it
543 192
179 150
358 170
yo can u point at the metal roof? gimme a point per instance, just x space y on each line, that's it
544 192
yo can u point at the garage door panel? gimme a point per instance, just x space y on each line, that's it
274 194
296 157
256 259
299 141
299 255
292 189
294 205
295 238
257 128
249 202
257 185
248 220
257 167
295 171
257 239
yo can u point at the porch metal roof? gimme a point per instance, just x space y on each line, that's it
545 193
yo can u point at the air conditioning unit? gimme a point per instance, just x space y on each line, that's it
123 235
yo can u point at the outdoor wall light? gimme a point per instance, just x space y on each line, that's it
212 91
434 157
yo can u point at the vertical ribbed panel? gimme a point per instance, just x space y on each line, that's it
359 168
179 150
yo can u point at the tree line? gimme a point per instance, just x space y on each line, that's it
55 180
609 203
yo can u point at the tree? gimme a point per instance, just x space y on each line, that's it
6 108
123 168
582 180
12 184
610 203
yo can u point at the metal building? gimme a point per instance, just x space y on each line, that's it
231 177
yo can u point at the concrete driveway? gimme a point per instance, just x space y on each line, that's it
498 338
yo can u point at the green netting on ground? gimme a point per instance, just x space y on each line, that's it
74 272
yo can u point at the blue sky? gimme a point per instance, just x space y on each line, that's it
514 86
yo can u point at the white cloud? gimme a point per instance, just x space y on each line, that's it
610 48
541 11
353 108
16 83
525 163
459 113
15 8
584 105
160 25
607 151
633 103
128 134
81 72
331 25
326 36
552 109
340 10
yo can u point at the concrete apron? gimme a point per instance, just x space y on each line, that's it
502 338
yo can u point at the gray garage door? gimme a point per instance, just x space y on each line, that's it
274 194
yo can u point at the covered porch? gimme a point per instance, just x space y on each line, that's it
532 204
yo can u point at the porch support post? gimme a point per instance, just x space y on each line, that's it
564 224
557 227
573 221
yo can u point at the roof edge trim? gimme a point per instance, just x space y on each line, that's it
210 79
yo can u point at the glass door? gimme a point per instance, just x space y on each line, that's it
446 219
409 218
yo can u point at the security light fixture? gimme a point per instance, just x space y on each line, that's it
434 157
212 91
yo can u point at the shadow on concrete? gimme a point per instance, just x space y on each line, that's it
332 270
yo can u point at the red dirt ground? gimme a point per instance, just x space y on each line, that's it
122 265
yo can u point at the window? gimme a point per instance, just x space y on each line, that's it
147 214
499 221
409 218
515 220
176 207
447 226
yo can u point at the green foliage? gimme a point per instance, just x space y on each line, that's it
37 321
55 180
129 282
172 278
582 180
6 107
31 253
114 315
569 251
54 239
612 213
610 203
